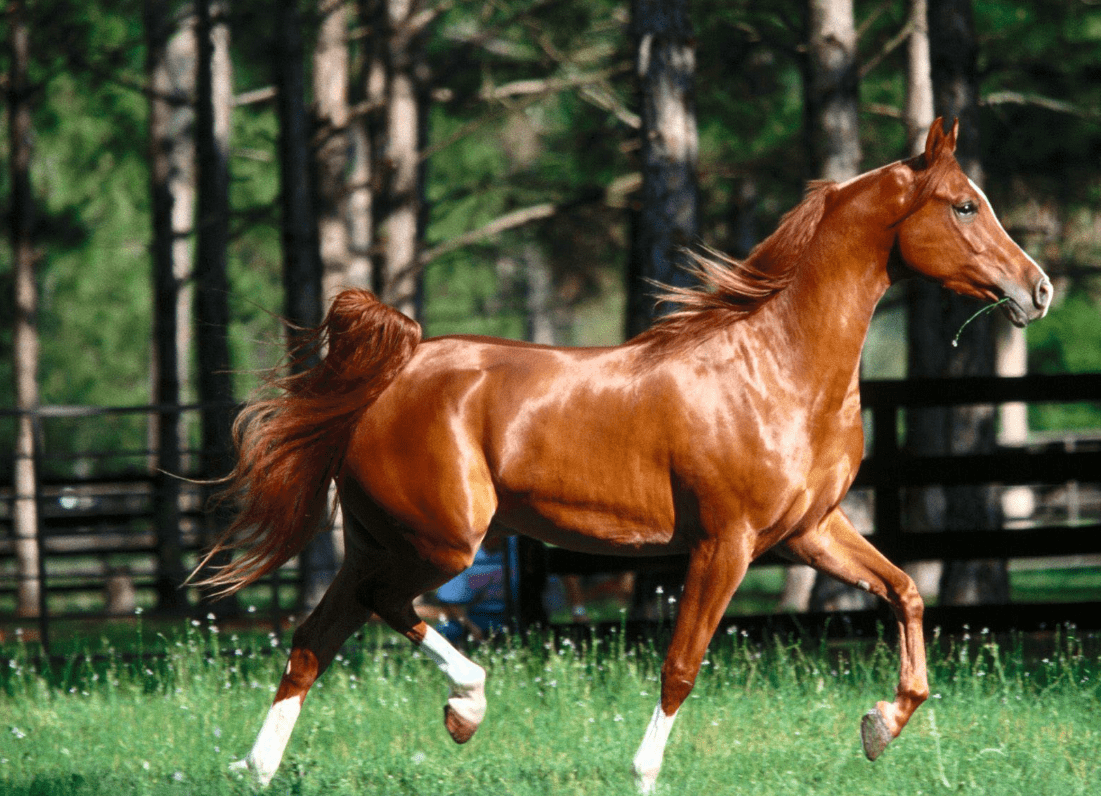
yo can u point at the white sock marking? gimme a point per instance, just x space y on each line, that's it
467 679
651 751
267 752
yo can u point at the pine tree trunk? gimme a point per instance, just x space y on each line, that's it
214 102
25 354
180 66
832 104
832 90
301 264
212 116
301 260
165 366
365 134
666 220
934 317
918 115
405 125
330 96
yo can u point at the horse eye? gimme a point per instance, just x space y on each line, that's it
967 211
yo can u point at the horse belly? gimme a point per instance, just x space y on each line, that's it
602 529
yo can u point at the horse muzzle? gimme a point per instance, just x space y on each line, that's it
1023 308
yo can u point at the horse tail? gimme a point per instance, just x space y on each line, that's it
291 446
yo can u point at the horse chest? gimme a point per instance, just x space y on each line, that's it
772 474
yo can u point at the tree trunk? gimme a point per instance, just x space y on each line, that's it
301 260
214 101
918 115
542 324
832 90
25 354
365 141
666 219
301 263
832 104
165 366
181 68
405 123
334 142
212 115
934 317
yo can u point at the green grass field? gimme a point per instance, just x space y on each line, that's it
1007 717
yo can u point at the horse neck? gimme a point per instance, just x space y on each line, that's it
822 317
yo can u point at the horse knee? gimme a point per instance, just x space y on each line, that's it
677 682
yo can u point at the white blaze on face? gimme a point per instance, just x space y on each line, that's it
997 221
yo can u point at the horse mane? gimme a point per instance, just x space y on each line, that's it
728 289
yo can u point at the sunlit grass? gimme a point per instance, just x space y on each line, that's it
1007 717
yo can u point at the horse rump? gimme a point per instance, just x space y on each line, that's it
291 445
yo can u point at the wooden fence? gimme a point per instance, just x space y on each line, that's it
111 524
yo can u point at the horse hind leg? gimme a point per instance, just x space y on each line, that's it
315 643
391 596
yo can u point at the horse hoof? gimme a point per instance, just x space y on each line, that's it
461 730
243 769
874 733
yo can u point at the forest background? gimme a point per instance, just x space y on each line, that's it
529 156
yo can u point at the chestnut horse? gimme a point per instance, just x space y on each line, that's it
731 427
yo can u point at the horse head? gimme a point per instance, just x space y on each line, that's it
948 232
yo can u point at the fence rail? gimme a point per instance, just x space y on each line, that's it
92 526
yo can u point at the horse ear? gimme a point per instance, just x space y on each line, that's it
938 141
953 135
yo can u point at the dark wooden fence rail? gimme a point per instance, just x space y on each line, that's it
123 524
114 516
889 469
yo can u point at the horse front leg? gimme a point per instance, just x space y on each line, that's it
714 571
836 548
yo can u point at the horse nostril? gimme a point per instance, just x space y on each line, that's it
1044 293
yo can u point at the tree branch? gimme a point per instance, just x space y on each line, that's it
517 218
549 85
1038 101
888 47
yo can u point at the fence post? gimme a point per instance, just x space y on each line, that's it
40 533
166 498
888 501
